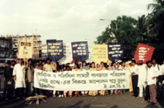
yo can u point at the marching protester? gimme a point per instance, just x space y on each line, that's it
37 66
142 73
29 79
113 67
84 67
123 67
93 92
159 78
134 74
19 77
152 74
49 68
8 81
102 92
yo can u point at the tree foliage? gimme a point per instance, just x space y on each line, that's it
147 29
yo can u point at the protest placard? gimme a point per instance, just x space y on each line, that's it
80 50
115 51
55 49
81 80
143 52
25 49
99 53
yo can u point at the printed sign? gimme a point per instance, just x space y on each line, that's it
143 52
80 50
115 51
55 49
25 49
99 53
81 80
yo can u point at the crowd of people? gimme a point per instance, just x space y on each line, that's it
145 79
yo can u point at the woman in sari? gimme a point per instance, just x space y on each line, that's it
93 92
102 92
113 67
75 68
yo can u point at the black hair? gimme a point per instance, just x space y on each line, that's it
48 59
43 61
112 63
29 60
102 62
37 61
133 61
8 62
148 62
13 61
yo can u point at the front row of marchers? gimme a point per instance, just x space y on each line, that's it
145 79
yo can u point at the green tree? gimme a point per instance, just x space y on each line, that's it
127 30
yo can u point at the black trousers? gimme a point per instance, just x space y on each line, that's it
135 84
147 93
20 92
9 89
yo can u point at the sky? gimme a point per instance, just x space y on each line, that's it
67 20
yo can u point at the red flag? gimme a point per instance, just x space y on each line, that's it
143 52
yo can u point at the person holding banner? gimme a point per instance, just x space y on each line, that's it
49 68
93 92
75 68
142 73
128 66
19 77
102 92
84 68
37 66
69 92
134 74
113 67
123 67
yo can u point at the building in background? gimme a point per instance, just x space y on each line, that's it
5 48
44 51
36 44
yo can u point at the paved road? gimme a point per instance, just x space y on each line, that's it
121 101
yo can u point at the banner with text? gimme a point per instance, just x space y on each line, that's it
55 49
115 51
81 80
143 52
80 50
99 53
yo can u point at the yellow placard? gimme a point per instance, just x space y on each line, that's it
99 53
25 49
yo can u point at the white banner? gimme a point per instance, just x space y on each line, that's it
81 80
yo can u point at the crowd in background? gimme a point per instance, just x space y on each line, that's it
145 79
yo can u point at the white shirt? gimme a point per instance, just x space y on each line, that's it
20 76
134 69
142 74
158 67
162 68
152 72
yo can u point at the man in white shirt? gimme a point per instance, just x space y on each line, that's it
159 78
134 74
19 77
152 73
142 73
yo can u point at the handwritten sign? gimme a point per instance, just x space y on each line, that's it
115 51
25 49
81 80
99 53
55 49
143 52
80 50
